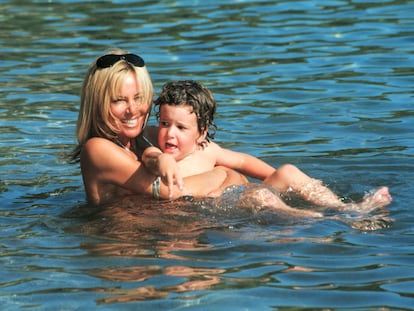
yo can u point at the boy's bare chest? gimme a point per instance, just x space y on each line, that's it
197 163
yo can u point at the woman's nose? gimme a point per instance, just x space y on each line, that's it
133 103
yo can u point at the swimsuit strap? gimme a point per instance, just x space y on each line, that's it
118 142
141 143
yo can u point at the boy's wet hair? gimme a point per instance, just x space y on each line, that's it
194 94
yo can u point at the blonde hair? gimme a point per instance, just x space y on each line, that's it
98 90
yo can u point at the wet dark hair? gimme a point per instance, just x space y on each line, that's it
194 94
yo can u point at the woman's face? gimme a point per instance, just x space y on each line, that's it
129 109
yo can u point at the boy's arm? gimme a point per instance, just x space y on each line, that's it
210 183
242 162
163 165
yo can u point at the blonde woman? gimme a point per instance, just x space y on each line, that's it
115 103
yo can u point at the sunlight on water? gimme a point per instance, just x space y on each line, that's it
325 85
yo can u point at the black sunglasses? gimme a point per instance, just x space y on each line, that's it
110 59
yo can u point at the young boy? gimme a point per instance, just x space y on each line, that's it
186 112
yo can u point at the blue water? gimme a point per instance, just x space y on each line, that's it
326 85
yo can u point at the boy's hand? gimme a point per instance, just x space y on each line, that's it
169 172
165 166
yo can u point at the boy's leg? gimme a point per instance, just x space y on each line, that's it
289 177
312 190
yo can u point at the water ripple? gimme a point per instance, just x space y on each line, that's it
326 85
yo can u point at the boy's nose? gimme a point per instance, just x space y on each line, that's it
171 131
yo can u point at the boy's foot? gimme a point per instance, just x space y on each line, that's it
373 200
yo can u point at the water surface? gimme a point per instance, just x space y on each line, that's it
326 85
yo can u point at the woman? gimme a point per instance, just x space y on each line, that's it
116 100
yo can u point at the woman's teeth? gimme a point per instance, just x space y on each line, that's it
129 121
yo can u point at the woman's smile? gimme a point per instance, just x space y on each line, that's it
128 109
131 122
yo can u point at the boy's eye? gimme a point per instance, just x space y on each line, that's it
163 123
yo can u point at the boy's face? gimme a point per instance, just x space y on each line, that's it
178 133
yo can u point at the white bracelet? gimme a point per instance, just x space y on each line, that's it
156 188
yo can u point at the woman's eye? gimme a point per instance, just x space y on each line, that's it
118 100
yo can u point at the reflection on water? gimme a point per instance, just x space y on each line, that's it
178 232
326 85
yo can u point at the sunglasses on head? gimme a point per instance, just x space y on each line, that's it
110 59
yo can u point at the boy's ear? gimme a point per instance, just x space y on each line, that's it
202 136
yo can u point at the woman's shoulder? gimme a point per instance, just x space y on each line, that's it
98 147
103 149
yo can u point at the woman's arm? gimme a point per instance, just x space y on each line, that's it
109 170
107 166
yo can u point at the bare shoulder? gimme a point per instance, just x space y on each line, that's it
103 161
212 147
97 147
103 152
97 142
